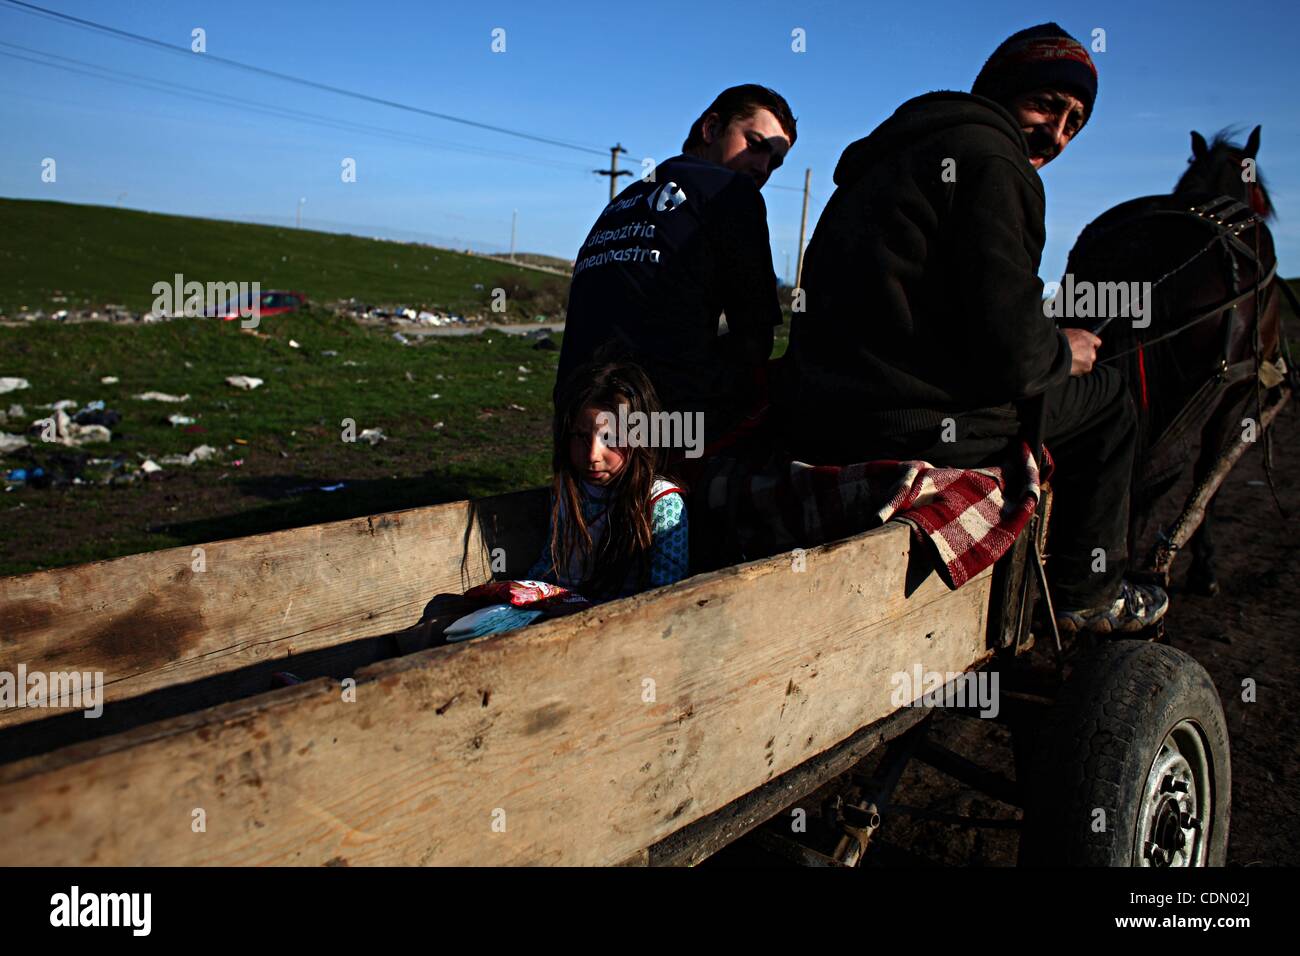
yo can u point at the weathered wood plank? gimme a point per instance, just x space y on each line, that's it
548 730
708 835
150 621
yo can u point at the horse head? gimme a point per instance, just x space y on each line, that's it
1222 168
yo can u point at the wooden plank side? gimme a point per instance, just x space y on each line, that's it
580 741
155 620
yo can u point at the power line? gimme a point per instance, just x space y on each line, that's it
223 99
289 78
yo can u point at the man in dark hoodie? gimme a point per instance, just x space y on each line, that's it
676 250
924 333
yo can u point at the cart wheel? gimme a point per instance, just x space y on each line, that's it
1131 767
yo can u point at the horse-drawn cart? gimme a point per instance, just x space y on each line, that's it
654 729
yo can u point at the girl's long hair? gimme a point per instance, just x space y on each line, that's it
625 546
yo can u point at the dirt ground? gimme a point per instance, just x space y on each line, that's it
1250 630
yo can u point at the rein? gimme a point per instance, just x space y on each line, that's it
1216 214
1214 312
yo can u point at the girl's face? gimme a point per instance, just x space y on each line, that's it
593 453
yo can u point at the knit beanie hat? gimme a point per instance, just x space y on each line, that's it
1039 57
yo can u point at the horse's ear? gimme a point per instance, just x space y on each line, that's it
1252 144
1199 146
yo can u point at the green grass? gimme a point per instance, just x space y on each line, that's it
293 427
97 255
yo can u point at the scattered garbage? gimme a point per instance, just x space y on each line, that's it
350 362
373 435
293 344
96 414
330 353
17 411
181 420
60 405
398 315
160 397
435 395
410 377
149 466
108 380
22 476
238 463
13 384
201 453
241 441
437 425
401 338
10 442
68 432
246 382
525 370
518 408
337 487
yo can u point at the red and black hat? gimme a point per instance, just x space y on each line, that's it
1039 57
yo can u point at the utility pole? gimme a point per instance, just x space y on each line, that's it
613 172
803 226
299 219
786 274
514 221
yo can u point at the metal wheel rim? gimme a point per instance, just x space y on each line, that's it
1177 805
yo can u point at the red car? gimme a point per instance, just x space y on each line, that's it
275 302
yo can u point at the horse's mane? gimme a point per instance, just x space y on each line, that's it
1202 175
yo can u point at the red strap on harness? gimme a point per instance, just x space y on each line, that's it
1142 377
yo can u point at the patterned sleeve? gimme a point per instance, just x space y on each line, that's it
669 544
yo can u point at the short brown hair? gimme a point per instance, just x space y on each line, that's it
742 102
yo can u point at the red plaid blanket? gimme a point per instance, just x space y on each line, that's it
970 517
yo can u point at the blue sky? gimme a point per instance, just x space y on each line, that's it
593 74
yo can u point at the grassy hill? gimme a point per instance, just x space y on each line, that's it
462 417
95 255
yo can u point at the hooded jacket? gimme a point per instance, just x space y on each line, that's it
923 300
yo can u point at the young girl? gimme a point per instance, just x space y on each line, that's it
617 527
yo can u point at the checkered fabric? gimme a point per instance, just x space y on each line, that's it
969 517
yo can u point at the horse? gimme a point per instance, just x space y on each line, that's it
1193 352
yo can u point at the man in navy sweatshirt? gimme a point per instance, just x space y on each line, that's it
676 251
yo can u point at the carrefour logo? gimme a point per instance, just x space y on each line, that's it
666 198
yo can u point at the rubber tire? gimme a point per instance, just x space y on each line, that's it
1096 748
